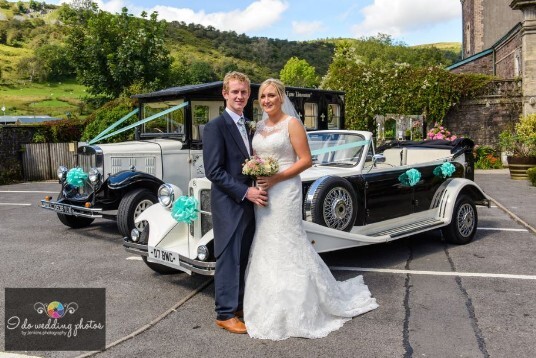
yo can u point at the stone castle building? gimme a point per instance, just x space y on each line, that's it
499 39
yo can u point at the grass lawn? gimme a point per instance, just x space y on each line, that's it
53 99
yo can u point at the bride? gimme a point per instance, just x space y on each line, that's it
289 290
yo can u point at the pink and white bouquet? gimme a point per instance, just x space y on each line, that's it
257 166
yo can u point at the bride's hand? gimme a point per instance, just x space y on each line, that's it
266 183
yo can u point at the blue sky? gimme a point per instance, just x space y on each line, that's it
413 22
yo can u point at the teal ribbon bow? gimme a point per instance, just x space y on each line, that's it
185 209
410 178
444 170
76 177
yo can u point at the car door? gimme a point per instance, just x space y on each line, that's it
386 197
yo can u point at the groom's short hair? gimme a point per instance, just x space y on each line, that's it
235 75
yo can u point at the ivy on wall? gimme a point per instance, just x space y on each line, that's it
373 88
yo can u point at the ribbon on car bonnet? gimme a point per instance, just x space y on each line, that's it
76 177
185 209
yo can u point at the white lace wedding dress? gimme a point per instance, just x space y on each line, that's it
290 292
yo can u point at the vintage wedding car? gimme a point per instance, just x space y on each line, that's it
351 197
118 181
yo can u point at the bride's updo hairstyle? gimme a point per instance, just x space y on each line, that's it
278 85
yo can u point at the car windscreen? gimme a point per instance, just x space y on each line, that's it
335 148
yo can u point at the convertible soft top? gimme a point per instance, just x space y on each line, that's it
454 146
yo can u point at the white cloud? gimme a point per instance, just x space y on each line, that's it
398 17
258 15
307 28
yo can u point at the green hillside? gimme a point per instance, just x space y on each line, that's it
25 27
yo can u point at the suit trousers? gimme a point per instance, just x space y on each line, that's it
230 271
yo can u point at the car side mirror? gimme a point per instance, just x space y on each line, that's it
378 158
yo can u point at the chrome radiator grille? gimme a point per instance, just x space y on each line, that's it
87 161
206 218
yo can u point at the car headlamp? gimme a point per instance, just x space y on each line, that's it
166 195
202 253
62 173
94 176
135 235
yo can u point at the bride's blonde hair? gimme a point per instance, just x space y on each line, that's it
278 85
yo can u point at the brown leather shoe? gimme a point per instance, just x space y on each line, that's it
239 314
233 325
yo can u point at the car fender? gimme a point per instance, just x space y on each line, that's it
160 222
126 178
446 195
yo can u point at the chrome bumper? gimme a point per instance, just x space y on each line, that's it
199 267
69 209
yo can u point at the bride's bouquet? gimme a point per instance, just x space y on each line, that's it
257 166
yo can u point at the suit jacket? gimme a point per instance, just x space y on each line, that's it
224 152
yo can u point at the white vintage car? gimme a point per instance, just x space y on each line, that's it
351 197
118 181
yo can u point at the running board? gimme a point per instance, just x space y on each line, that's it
411 228
325 239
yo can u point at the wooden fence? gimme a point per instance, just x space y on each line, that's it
41 160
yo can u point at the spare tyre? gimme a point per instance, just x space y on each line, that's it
332 202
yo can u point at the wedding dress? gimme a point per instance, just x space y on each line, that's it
290 292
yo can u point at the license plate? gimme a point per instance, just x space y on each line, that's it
60 208
163 255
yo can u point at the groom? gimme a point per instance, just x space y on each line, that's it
232 198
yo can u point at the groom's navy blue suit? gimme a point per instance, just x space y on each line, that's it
233 216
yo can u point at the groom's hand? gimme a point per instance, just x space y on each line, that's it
257 196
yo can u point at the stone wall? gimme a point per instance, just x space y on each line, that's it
483 65
482 119
11 140
508 58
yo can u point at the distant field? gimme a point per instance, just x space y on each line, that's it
448 46
53 99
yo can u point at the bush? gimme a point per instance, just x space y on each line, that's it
10 171
106 116
531 172
521 142
486 158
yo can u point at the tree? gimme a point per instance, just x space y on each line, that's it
201 72
113 52
49 63
298 73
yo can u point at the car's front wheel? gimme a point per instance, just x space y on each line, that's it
332 202
132 205
462 227
75 222
158 268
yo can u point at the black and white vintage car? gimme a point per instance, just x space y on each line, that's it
351 197
119 181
